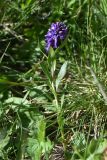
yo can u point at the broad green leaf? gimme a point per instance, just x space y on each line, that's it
97 146
102 146
61 74
71 3
17 101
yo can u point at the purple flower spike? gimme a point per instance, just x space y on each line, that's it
56 33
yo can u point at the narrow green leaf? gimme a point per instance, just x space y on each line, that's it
46 71
53 67
41 130
51 53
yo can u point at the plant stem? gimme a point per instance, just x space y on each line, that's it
59 117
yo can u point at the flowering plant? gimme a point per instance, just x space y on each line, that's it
56 33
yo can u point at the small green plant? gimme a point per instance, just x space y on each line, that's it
53 81
38 145
94 150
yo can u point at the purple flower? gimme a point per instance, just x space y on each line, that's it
56 33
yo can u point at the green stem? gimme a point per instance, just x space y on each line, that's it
59 117
58 107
